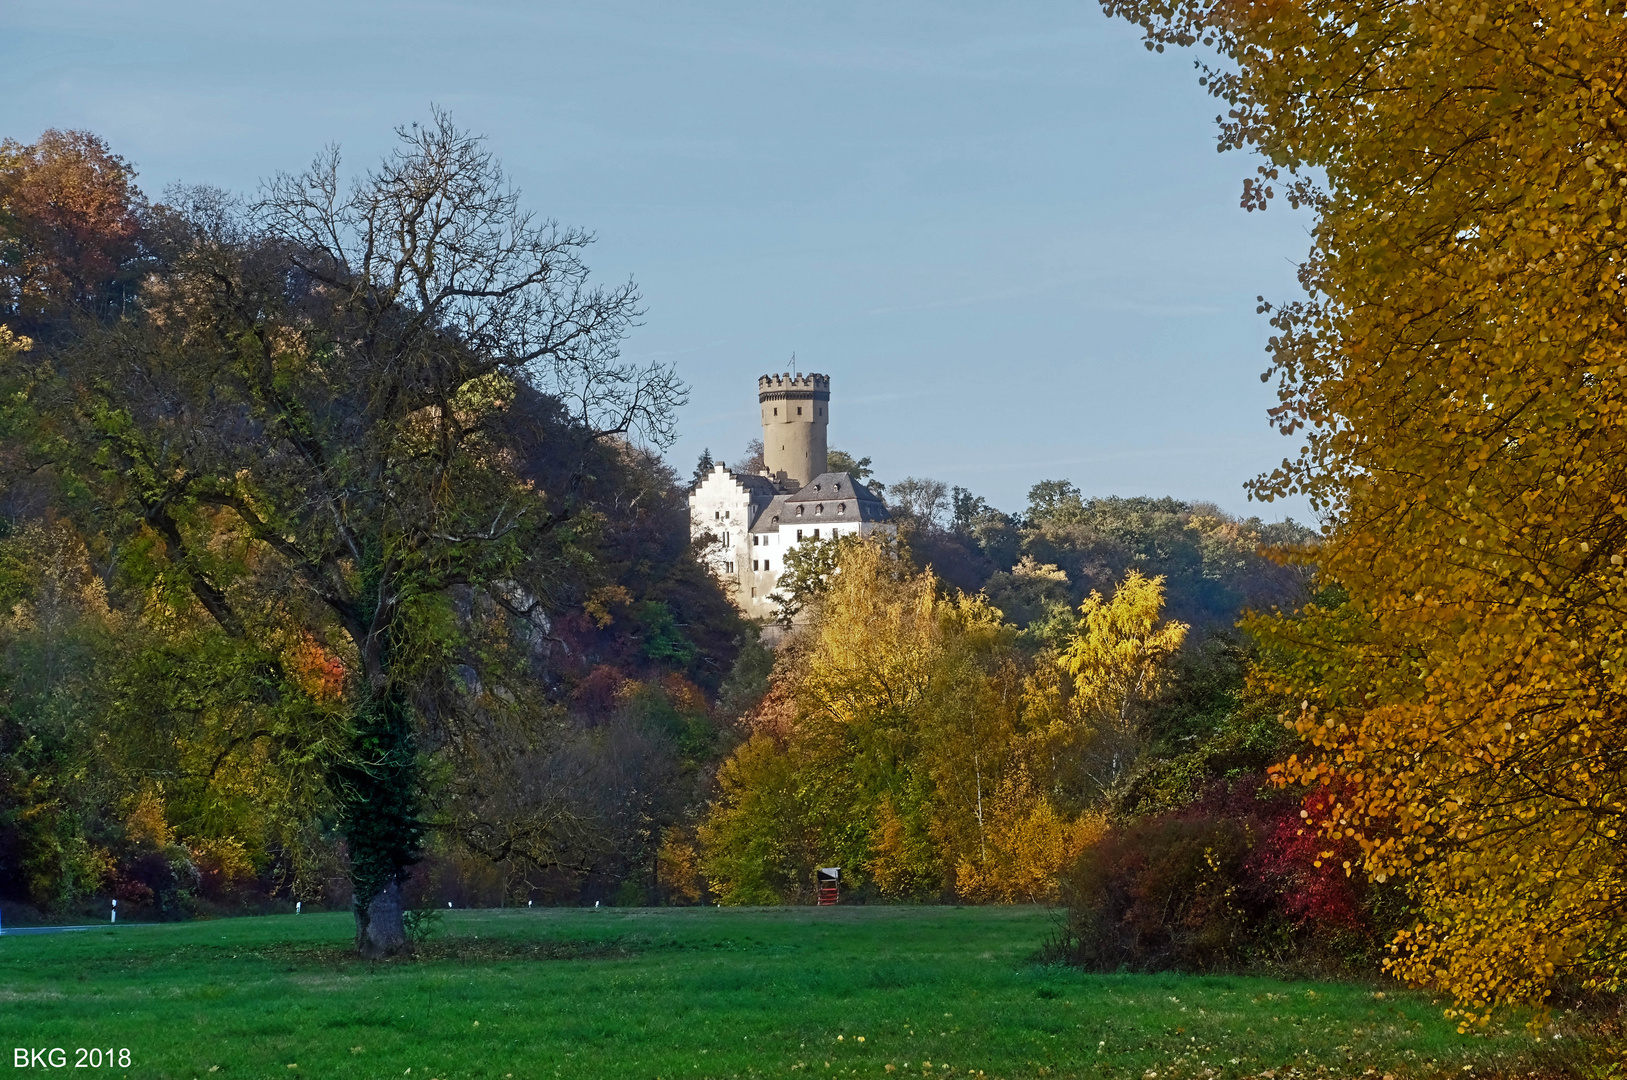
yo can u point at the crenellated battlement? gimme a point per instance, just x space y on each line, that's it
786 384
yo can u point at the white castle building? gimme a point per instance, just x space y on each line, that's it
755 519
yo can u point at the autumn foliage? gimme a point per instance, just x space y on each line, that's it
1237 878
909 740
1457 377
69 224
186 726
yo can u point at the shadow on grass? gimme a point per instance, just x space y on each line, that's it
469 950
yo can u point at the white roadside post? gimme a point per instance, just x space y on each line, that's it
115 916
298 904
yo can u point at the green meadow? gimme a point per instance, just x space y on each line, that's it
535 994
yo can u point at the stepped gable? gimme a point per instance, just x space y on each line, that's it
759 489
835 497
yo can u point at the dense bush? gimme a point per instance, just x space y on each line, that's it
1233 880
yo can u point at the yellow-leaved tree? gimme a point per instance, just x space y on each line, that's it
1118 659
1028 841
1458 380
893 745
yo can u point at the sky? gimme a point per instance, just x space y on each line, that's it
1001 228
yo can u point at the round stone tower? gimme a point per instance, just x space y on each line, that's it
795 412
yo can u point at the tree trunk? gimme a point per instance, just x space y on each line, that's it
379 786
380 929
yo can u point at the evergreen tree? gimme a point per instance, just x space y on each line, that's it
704 466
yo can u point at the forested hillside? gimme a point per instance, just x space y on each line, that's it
322 562
338 570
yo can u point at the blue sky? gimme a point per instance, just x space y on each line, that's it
1001 228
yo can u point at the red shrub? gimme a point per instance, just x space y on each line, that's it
1239 877
1309 872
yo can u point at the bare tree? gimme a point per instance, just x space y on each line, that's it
923 501
436 237
355 377
751 462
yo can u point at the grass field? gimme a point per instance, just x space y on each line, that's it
538 994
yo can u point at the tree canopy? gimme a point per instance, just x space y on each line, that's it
1454 377
910 739
339 463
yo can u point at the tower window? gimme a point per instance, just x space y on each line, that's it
754 564
765 565
753 539
776 411
799 410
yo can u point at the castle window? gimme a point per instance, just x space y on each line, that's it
816 534
799 410
799 534
776 412
800 509
765 564
820 509
841 508
838 485
754 564
776 519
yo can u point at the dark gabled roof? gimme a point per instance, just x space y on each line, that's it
834 496
769 519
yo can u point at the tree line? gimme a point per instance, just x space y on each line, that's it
321 508
340 565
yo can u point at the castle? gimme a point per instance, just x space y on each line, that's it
755 519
